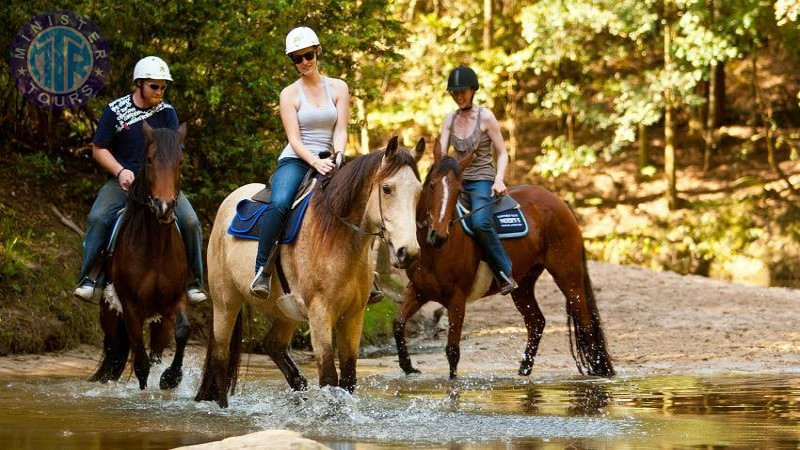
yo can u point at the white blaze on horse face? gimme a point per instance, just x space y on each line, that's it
399 213
445 198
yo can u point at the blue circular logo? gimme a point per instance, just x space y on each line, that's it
59 60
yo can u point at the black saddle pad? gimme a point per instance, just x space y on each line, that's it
508 220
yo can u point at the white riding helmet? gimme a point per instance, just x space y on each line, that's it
299 38
153 68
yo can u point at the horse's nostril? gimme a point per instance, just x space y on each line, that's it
402 254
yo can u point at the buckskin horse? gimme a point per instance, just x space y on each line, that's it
328 269
148 271
449 270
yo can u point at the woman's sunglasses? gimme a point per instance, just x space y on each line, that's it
308 56
157 87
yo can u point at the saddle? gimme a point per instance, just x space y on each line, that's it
508 220
246 222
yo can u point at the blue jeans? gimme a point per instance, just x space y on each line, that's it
110 200
482 225
285 181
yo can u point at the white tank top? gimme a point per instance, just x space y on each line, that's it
316 124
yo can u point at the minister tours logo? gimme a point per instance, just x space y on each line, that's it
59 60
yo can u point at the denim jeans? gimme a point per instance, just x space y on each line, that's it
285 181
110 200
482 225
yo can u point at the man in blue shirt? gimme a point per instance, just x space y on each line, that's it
118 147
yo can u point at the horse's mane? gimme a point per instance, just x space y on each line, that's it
446 165
167 143
344 192
168 146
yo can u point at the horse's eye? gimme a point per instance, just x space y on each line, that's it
386 189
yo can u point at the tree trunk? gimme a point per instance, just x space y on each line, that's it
511 124
487 24
669 132
719 93
711 119
643 157
361 114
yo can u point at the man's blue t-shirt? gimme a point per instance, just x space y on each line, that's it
120 129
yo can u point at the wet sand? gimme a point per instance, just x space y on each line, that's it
655 323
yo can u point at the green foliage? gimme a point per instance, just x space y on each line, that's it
39 166
559 157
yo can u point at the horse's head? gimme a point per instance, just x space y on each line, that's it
162 170
392 202
441 190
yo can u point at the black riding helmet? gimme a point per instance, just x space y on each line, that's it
462 77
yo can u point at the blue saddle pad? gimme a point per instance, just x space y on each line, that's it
509 223
246 222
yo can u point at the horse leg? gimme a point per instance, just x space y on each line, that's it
221 367
412 302
348 339
525 301
277 345
160 335
583 318
115 346
173 375
141 363
321 326
455 311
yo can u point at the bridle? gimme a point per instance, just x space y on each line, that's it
381 233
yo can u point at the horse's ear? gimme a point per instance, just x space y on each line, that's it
147 131
437 150
182 132
419 149
391 148
466 161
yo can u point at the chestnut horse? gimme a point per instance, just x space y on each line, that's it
328 269
450 271
147 271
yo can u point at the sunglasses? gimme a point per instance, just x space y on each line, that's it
157 87
308 56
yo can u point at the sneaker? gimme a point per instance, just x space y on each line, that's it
85 290
261 283
505 284
196 295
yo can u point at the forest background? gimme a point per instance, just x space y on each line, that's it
672 127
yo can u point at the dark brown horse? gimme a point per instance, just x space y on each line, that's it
449 270
148 270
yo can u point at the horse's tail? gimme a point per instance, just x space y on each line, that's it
212 388
589 339
235 349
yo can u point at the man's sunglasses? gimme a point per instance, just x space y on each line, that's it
308 56
157 87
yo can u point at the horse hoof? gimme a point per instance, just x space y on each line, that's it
525 370
410 370
170 379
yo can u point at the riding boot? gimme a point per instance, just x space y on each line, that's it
262 282
376 294
505 284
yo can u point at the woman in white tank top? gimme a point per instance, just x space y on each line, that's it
315 111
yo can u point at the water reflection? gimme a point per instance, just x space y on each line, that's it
393 411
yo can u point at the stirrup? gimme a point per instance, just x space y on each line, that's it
260 287
85 290
505 284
